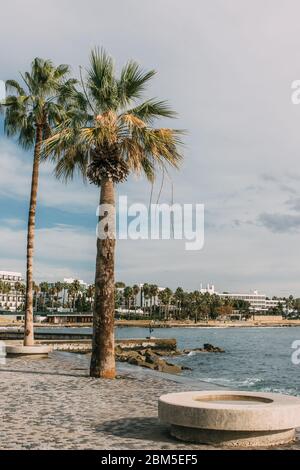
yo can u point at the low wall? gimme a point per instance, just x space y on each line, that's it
85 345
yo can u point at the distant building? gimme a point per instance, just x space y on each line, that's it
258 302
12 300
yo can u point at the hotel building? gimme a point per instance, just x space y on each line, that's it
258 302
10 301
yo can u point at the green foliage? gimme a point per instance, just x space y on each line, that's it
105 125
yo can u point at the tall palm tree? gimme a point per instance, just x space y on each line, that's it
31 110
109 134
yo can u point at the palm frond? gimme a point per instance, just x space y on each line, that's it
151 110
101 83
132 82
14 86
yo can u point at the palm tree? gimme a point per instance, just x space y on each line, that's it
36 290
76 288
65 287
153 293
108 135
90 294
178 297
5 290
128 294
58 289
30 113
145 295
44 286
19 288
136 290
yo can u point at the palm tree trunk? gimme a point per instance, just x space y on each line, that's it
28 330
103 351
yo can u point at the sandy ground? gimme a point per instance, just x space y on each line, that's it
53 404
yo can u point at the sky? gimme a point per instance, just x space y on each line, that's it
226 67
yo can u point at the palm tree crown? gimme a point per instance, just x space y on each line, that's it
38 104
108 133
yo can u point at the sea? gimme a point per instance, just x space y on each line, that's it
255 359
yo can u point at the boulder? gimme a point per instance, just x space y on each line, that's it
168 368
151 357
210 348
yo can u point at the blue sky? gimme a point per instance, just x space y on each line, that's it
226 66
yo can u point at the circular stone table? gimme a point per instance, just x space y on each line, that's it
231 418
21 350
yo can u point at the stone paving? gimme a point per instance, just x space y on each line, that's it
53 404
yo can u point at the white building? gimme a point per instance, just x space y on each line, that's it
258 302
11 300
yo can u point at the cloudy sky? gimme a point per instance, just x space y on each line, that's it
226 66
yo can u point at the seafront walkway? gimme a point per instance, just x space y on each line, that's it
53 404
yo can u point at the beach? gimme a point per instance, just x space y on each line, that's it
53 404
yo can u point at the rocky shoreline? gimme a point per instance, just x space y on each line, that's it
156 360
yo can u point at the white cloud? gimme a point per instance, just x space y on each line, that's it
61 249
15 180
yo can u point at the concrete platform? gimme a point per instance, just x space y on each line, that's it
231 418
21 350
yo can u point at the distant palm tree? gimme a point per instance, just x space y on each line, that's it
5 289
90 294
146 293
36 290
58 287
19 289
107 136
128 294
178 297
30 114
136 290
76 288
153 295
44 286
65 287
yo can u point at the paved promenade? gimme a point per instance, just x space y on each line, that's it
53 404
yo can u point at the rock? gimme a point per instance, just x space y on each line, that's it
206 348
147 365
210 348
169 368
151 357
127 356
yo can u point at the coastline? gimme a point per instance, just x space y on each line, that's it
169 324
